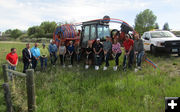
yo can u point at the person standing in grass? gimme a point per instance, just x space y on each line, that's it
35 55
138 50
89 55
78 52
98 48
53 51
70 50
107 46
116 49
27 57
62 52
12 60
43 57
129 52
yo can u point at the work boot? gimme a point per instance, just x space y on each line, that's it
86 66
115 68
96 67
105 68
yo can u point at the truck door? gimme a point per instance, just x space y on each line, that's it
147 41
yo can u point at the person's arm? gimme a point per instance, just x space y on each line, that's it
113 49
55 48
131 47
16 62
32 53
68 50
129 50
88 52
72 52
25 55
9 63
99 50
65 51
94 50
49 48
39 53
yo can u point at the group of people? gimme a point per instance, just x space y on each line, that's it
99 52
95 53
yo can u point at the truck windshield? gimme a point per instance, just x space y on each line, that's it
161 34
103 31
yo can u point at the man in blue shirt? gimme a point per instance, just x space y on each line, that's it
35 55
52 51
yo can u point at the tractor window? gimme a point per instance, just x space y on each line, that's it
93 32
103 31
86 33
106 31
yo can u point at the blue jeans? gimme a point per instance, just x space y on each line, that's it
139 58
117 58
11 68
53 57
97 60
78 56
43 60
34 63
107 59
129 58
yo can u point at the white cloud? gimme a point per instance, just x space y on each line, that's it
23 14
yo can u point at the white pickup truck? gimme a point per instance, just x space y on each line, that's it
157 41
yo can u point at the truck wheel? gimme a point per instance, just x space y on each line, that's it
153 50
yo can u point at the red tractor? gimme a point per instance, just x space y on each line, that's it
90 31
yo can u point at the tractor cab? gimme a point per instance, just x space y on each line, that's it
91 30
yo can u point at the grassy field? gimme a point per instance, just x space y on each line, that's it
79 90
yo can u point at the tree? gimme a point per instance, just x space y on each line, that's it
48 27
156 26
145 21
35 32
8 31
16 33
166 27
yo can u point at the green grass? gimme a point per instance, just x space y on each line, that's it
79 90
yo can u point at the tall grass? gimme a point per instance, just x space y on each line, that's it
79 90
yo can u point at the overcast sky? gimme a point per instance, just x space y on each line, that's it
22 14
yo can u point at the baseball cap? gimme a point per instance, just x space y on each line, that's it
51 41
98 39
43 44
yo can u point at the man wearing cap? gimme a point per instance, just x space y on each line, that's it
97 48
35 55
43 57
27 57
52 51
107 47
129 52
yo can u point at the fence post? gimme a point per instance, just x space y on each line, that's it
5 73
30 90
7 96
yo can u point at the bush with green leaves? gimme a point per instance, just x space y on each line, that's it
16 33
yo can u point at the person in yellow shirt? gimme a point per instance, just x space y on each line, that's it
43 58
